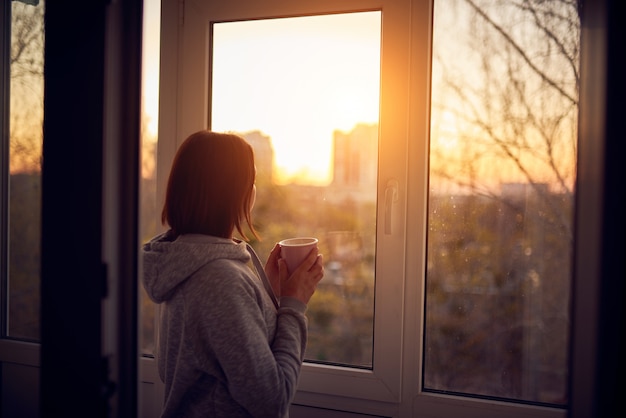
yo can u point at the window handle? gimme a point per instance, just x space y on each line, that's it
391 196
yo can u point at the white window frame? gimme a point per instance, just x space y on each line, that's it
393 386
589 274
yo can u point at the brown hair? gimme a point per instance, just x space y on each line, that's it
209 190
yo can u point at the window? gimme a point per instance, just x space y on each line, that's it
502 173
22 168
474 198
303 92
150 211
466 247
188 103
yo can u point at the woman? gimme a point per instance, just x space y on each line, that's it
232 334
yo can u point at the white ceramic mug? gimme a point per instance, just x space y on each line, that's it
295 250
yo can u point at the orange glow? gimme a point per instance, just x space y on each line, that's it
297 80
150 65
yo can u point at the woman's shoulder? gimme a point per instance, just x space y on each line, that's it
222 274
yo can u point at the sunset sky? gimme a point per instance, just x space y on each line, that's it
295 79
150 79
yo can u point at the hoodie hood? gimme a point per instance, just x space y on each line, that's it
168 262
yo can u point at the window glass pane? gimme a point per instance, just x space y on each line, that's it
305 93
502 174
25 152
150 213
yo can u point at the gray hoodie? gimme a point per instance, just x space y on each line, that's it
224 349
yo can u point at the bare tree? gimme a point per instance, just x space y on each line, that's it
513 93
25 143
27 55
504 110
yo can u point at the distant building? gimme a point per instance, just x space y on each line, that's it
355 162
355 157
263 154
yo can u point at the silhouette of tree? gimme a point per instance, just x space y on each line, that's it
512 94
503 154
26 120
26 66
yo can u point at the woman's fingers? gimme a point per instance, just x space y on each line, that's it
303 282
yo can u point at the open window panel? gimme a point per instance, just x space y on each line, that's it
320 91
304 92
335 98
